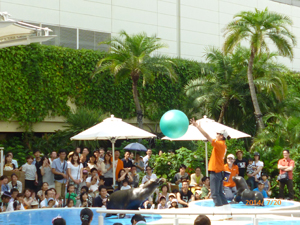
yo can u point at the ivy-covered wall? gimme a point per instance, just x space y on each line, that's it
38 79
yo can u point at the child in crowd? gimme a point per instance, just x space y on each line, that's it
70 203
31 178
86 190
125 185
16 205
164 192
198 194
267 187
83 201
20 198
4 182
174 204
71 194
28 198
41 193
251 168
171 197
93 186
162 203
51 203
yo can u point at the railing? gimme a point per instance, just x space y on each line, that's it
176 214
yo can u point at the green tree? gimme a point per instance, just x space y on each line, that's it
131 56
258 26
221 85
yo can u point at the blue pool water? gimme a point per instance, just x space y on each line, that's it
44 217
272 204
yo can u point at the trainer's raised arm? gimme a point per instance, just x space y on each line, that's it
194 123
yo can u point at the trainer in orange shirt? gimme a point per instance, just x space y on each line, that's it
216 163
231 171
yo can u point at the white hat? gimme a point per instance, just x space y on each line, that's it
230 156
223 132
174 200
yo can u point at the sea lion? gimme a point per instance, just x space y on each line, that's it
132 198
245 195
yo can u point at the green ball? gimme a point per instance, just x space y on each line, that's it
174 123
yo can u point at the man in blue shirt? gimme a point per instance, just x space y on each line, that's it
59 169
260 188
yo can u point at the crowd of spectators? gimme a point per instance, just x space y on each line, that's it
81 179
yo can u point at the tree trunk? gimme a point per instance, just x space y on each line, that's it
222 113
139 113
257 111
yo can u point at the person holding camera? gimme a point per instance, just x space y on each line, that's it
59 169
286 166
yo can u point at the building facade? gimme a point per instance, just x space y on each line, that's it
187 26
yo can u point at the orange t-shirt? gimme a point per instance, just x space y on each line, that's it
234 171
216 161
284 162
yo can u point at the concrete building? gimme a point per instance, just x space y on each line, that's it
187 26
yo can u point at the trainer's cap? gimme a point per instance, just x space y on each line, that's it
230 156
256 154
223 132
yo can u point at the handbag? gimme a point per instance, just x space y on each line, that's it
283 177
58 176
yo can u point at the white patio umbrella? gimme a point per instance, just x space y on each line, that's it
211 127
112 129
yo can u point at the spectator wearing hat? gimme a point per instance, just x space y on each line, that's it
171 197
257 166
232 170
241 163
174 204
261 189
5 198
286 165
162 203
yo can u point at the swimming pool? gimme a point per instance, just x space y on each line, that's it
45 216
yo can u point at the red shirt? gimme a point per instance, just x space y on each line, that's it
285 162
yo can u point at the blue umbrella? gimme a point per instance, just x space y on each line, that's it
135 147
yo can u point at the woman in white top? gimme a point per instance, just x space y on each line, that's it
92 162
75 170
93 188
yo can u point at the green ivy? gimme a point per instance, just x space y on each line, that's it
38 80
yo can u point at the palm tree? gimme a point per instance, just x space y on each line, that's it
131 56
257 27
221 86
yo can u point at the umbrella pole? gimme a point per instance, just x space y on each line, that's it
113 140
206 163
